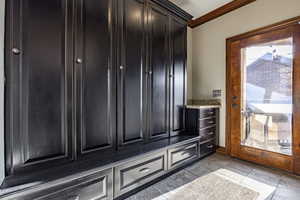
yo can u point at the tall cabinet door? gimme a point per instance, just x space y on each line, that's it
39 84
131 72
158 82
178 74
95 79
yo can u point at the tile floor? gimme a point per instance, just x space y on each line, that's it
269 183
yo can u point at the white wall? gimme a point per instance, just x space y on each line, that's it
189 63
209 44
2 6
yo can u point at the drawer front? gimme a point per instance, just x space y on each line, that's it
183 154
208 122
205 113
207 134
97 186
136 173
207 148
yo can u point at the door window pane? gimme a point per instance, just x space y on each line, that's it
267 96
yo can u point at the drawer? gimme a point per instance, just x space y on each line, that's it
207 133
138 172
207 148
207 122
181 155
97 186
204 113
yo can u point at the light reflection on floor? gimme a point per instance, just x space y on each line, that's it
235 187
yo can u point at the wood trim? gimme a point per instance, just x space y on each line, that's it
296 106
233 5
228 99
222 150
272 27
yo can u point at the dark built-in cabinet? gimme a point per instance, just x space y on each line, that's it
39 96
158 72
94 77
85 79
204 123
131 71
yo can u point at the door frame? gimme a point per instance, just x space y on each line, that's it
295 159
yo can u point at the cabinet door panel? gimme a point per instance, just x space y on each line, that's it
39 86
95 76
159 74
178 71
132 72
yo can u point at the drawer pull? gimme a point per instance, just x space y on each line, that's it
210 146
211 122
210 113
144 170
187 148
185 152
211 133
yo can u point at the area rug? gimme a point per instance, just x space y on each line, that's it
212 187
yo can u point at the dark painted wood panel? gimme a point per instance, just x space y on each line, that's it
135 173
131 71
38 84
178 73
98 186
158 72
95 77
181 155
208 148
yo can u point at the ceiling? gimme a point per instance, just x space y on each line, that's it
198 8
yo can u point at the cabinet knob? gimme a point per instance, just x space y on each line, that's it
79 61
16 51
121 67
150 72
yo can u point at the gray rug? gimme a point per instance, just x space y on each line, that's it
212 187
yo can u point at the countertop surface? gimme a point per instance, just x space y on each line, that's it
198 104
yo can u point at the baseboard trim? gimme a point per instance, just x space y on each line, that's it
222 150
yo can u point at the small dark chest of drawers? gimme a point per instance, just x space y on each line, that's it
203 122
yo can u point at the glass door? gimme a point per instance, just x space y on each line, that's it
263 97
267 95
